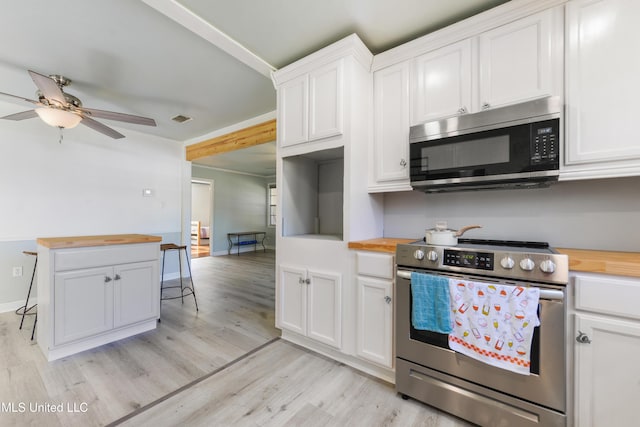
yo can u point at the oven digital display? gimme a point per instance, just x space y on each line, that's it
467 259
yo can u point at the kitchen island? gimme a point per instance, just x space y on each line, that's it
93 290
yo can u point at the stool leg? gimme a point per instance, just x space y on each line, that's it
26 304
35 322
161 284
180 266
193 289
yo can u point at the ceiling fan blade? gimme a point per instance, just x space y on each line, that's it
101 128
20 98
21 116
121 117
48 87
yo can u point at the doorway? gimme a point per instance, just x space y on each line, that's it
201 217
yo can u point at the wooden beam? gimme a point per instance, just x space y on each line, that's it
243 138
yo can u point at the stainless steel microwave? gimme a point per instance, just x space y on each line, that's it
509 147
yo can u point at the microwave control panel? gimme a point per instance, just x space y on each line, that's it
545 142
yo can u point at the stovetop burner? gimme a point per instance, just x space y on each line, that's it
506 243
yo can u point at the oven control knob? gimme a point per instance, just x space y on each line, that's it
432 256
507 263
548 266
527 264
419 255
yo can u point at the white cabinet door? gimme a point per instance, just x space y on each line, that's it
325 101
517 61
602 77
293 119
375 320
325 308
442 82
607 372
83 303
135 289
390 157
293 299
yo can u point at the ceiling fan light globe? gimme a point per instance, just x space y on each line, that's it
58 118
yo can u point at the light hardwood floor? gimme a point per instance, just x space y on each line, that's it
221 366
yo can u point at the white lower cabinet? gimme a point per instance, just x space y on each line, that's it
607 347
91 301
311 304
83 304
374 324
375 320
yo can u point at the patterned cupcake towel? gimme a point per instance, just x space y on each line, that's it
494 323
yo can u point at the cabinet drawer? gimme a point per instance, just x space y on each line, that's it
376 265
77 258
608 295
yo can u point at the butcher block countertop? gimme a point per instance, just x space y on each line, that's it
383 244
590 261
85 241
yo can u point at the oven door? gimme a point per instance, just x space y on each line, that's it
546 384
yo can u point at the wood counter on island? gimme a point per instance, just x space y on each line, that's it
93 290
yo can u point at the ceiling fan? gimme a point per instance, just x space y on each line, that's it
62 110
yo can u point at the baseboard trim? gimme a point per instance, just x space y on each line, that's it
14 305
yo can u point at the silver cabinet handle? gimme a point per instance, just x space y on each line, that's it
582 338
117 277
307 281
403 163
387 299
300 280
486 105
462 110
107 279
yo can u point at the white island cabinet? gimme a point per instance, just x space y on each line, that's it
93 290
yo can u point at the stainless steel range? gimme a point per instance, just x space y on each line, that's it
429 371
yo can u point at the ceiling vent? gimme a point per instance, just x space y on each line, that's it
180 118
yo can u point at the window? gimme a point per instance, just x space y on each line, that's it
273 202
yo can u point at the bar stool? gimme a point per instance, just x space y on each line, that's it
25 310
185 290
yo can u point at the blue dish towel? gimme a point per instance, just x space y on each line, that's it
431 305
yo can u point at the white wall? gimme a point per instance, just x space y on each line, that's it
239 204
87 185
200 203
593 214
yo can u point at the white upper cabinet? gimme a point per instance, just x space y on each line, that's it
442 83
293 114
390 155
520 60
325 101
310 107
602 77
512 63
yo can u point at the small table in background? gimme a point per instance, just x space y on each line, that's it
244 238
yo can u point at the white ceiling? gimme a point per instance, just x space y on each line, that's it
207 59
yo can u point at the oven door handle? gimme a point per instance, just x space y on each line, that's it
548 294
